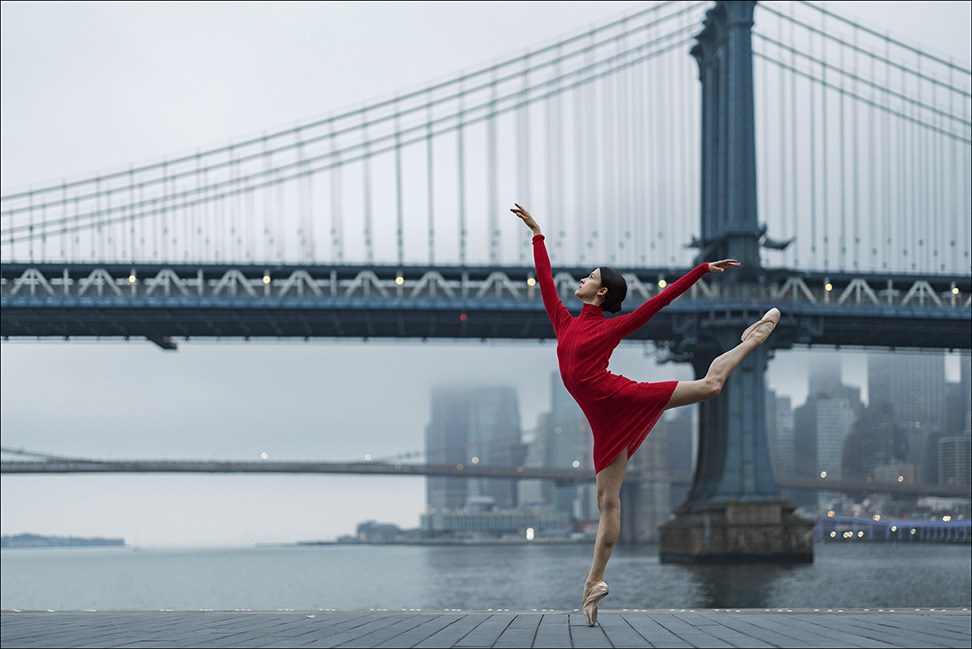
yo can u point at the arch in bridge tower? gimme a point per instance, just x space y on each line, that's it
734 510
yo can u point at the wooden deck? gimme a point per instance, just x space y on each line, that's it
663 628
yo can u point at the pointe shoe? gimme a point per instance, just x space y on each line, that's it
770 318
597 593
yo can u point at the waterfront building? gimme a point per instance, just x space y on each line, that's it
473 425
484 525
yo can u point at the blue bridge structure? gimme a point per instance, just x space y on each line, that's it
832 160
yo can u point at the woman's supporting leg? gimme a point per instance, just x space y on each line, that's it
708 387
609 481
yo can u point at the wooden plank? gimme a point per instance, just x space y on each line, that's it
404 624
487 632
773 636
422 632
694 635
654 632
582 635
521 632
715 625
450 635
619 633
553 631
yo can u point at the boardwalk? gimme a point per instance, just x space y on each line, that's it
664 628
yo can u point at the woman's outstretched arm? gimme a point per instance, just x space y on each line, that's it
556 310
630 322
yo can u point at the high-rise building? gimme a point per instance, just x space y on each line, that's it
822 424
561 440
473 425
682 427
913 384
955 460
779 428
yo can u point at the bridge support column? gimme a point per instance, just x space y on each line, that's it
734 511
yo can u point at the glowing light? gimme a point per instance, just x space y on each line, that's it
266 278
946 518
900 478
828 287
131 278
367 457
823 474
662 283
462 317
831 513
913 530
833 535
264 455
894 528
955 290
529 534
531 282
860 534
474 460
575 464
876 517
399 280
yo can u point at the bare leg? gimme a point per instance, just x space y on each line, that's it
709 387
609 481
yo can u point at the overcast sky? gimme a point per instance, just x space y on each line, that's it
87 86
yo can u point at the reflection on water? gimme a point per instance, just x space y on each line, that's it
738 586
515 577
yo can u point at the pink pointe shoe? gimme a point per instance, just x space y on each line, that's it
760 330
597 593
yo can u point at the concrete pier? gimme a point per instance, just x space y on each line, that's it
665 628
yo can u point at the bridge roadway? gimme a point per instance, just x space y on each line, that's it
164 303
579 475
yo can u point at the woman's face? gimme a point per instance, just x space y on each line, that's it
590 288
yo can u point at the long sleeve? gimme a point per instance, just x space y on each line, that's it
630 322
556 311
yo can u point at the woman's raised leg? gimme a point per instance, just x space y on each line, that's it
708 387
609 481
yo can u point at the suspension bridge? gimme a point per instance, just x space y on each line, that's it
832 160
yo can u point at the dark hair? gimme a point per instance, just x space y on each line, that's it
617 288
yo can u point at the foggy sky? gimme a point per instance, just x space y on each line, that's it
88 86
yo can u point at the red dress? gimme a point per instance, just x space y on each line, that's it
621 412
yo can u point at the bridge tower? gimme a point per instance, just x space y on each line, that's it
734 510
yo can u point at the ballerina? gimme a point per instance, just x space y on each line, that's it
621 412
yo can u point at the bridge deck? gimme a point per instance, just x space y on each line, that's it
667 628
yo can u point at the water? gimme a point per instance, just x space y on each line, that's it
515 577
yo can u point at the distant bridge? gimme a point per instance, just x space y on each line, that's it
570 475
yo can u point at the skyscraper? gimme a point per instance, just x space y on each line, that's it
562 440
473 425
822 424
913 384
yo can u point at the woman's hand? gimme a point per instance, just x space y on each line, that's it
722 266
526 218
